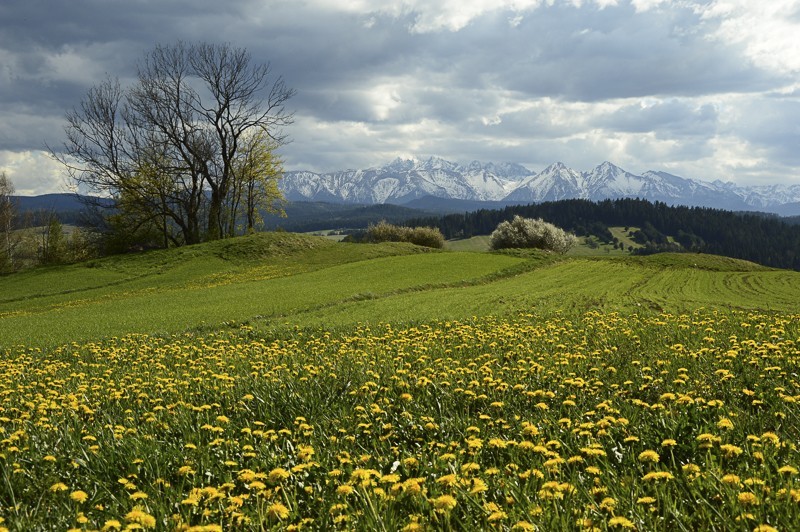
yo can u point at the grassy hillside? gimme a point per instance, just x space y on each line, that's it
272 280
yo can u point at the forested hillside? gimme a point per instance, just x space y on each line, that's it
759 238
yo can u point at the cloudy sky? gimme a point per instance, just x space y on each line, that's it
702 89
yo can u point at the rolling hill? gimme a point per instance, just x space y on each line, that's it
275 280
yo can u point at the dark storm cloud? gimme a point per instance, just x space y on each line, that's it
532 85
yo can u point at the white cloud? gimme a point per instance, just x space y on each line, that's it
33 172
768 30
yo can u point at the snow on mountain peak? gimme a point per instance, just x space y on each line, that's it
405 179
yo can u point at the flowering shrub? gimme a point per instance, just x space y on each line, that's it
531 233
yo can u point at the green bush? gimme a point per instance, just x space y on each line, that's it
531 233
421 236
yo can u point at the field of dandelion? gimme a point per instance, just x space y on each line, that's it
477 392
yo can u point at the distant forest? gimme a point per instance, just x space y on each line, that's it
764 239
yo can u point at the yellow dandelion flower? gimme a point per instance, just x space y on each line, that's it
277 475
79 496
277 511
725 424
765 528
141 518
58 486
447 480
344 489
497 443
770 437
608 504
111 524
669 443
478 486
444 503
658 475
649 456
645 500
622 522
730 451
787 470
747 498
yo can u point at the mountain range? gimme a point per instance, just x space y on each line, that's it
406 181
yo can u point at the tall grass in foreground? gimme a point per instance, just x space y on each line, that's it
607 422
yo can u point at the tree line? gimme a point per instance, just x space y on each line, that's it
750 236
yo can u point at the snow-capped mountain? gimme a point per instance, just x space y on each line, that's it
404 180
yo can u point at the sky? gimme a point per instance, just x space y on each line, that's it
702 89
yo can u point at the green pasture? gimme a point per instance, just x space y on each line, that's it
277 280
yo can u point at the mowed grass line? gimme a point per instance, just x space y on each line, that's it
176 309
582 285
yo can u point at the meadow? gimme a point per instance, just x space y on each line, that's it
289 382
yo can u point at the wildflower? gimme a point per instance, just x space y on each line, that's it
390 478
730 451
140 517
649 456
344 489
787 470
58 486
622 522
111 524
478 486
447 480
49 458
658 475
79 496
608 504
725 424
706 438
277 511
305 452
444 503
730 479
669 443
498 443
137 495
645 500
185 471
747 498
277 475
765 528
770 437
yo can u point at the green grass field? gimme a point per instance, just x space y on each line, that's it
269 280
290 382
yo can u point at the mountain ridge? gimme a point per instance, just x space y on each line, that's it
408 180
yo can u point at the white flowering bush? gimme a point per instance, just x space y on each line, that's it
531 233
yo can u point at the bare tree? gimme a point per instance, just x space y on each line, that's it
6 223
172 141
